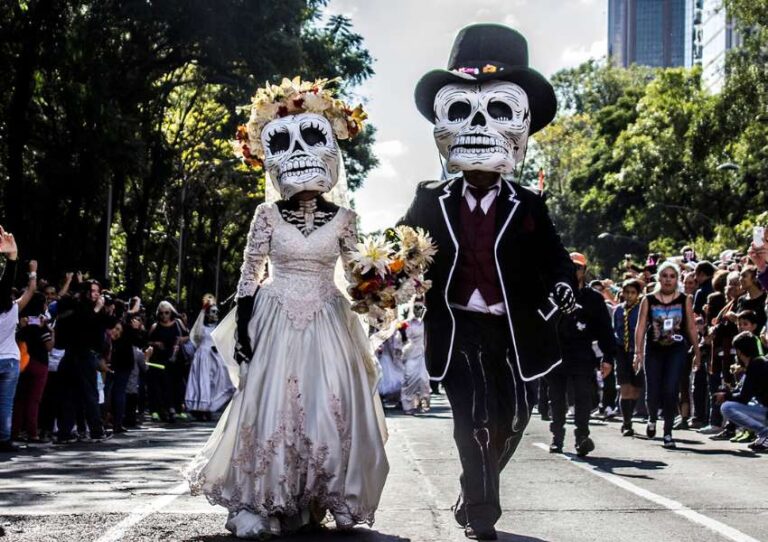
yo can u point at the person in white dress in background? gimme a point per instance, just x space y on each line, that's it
209 387
304 434
414 395
384 343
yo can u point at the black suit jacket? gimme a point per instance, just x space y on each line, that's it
530 259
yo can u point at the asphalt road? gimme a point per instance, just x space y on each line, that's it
629 489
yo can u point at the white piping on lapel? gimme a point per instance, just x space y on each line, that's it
446 194
516 203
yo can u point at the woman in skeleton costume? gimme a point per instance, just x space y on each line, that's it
304 434
209 387
414 395
391 382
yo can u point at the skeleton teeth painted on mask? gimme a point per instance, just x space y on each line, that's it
301 154
482 127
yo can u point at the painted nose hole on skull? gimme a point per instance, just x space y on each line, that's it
279 142
499 110
459 111
478 119
313 136
297 146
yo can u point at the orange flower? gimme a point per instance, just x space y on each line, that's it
397 266
368 286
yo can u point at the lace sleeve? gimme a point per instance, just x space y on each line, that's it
256 252
348 240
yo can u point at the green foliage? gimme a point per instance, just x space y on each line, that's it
143 96
634 154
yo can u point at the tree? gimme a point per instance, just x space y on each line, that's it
138 100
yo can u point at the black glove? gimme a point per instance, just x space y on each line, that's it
564 297
243 348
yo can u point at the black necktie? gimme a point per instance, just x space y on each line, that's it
479 194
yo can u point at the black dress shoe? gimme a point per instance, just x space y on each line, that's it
480 533
8 447
459 514
584 446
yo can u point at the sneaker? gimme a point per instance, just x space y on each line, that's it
650 430
710 430
682 425
669 442
155 417
610 412
183 416
760 445
101 438
627 431
725 434
556 447
743 437
584 446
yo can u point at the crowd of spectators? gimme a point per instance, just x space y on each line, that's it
690 336
79 364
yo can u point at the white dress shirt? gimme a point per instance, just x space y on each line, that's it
476 301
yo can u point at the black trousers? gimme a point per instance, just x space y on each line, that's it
79 393
701 389
582 386
119 385
609 391
160 390
491 407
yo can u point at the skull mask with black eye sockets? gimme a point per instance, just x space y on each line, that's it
301 154
482 127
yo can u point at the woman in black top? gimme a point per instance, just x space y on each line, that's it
165 375
665 329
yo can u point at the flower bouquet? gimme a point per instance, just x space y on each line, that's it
388 270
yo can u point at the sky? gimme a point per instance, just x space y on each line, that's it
407 38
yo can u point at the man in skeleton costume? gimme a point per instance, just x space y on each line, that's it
304 434
501 277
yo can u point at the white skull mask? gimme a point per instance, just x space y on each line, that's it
482 127
301 153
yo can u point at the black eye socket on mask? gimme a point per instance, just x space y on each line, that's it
499 110
279 142
313 136
459 111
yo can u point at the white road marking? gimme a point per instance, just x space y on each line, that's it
118 531
676 507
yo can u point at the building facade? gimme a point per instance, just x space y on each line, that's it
657 33
717 36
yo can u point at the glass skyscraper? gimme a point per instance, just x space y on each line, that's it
651 32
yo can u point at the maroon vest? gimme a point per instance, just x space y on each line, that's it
476 264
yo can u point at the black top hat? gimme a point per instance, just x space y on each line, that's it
485 52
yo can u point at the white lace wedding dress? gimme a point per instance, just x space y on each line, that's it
304 433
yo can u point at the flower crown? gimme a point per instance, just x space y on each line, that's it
291 97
